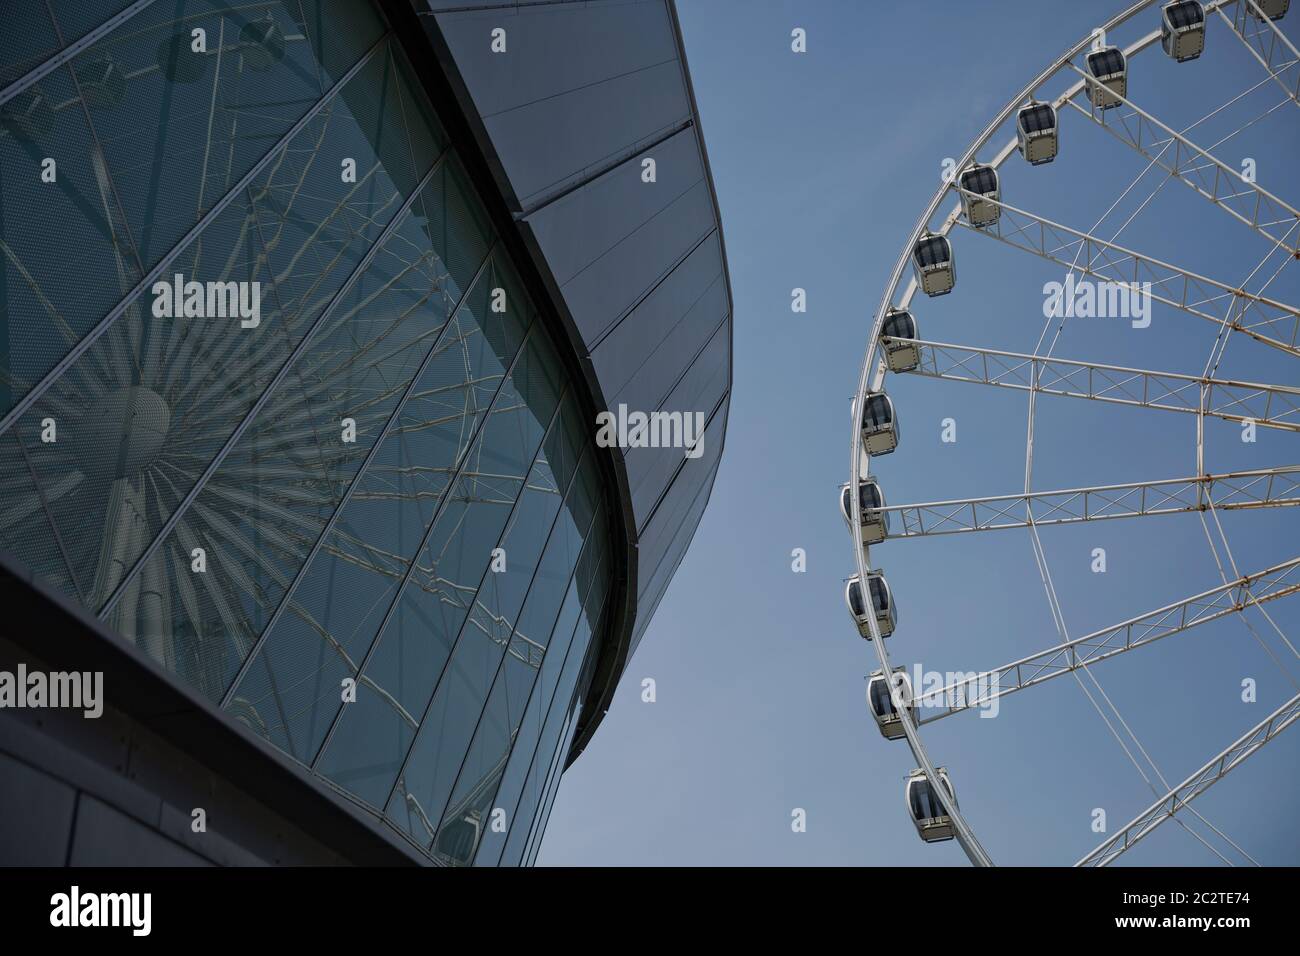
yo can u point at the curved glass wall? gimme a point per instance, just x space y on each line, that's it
345 490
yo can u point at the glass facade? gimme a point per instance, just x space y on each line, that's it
368 520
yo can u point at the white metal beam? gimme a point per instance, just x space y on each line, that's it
1232 491
1180 796
1266 43
1276 582
1173 285
1269 406
1247 201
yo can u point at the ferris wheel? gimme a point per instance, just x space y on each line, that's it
1100 81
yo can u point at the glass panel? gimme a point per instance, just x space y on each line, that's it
1185 14
879 593
529 736
203 118
1035 119
145 410
414 650
899 325
500 724
543 816
148 135
933 251
268 502
881 702
29 38
486 601
1106 63
25 529
382 528
592 590
921 800
879 412
45 307
982 180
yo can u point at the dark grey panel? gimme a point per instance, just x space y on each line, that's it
657 583
441 5
590 126
644 354
105 837
541 90
614 39
649 470
35 816
599 295
669 519
577 229
636 270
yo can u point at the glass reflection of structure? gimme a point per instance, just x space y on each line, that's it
388 483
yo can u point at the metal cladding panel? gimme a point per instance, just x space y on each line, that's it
644 351
650 470
579 229
602 294
583 94
558 101
665 540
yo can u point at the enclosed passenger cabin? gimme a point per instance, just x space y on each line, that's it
1036 132
28 116
932 262
899 356
1182 29
459 836
882 604
980 185
1109 68
261 42
879 424
884 707
875 523
101 81
932 823
1272 9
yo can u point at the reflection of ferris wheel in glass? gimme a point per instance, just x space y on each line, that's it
1099 80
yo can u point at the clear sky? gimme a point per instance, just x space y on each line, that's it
822 162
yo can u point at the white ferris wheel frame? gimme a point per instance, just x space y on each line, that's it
1179 288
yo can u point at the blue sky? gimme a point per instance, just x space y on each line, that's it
822 163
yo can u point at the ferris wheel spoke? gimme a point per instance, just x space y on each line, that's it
1221 184
1271 406
1276 582
285 368
1229 307
187 242
1267 44
1230 491
1172 285
1180 796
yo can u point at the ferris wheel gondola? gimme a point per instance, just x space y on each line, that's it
882 604
1110 69
980 195
875 522
886 701
901 356
1095 73
933 823
1036 132
1182 29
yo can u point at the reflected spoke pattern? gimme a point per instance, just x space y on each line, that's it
370 525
